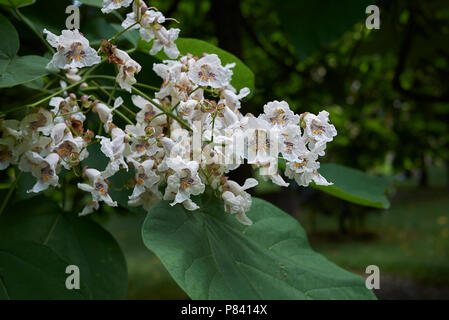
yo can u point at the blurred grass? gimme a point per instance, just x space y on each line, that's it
411 239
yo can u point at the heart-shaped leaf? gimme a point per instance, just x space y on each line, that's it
93 3
212 256
355 186
17 3
31 270
77 240
16 70
19 70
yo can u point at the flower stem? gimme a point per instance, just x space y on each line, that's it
180 121
147 86
10 192
122 32
31 26
116 111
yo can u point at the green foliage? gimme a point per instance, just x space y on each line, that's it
355 186
312 24
31 270
67 239
242 77
17 3
15 70
212 256
94 3
9 39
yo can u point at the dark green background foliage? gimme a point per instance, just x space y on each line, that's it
387 94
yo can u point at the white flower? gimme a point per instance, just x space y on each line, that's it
166 39
39 120
237 201
114 149
127 68
98 188
11 136
146 178
111 5
71 150
150 28
208 71
292 143
170 72
73 50
148 19
105 113
8 154
263 142
43 169
72 75
318 130
141 143
232 99
149 113
279 114
66 109
147 199
184 182
305 170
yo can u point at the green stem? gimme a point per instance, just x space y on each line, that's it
180 121
147 86
31 26
116 111
111 96
122 32
10 192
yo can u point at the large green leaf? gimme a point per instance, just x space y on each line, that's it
310 25
94 3
77 240
16 3
19 70
30 270
9 39
355 186
212 256
16 70
243 76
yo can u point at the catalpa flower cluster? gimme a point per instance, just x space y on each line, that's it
185 137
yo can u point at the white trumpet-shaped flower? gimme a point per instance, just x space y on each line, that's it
183 182
43 169
127 68
304 170
279 114
115 148
98 188
318 130
146 178
73 50
111 5
105 113
237 201
208 71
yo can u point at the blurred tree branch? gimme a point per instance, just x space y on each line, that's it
403 54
